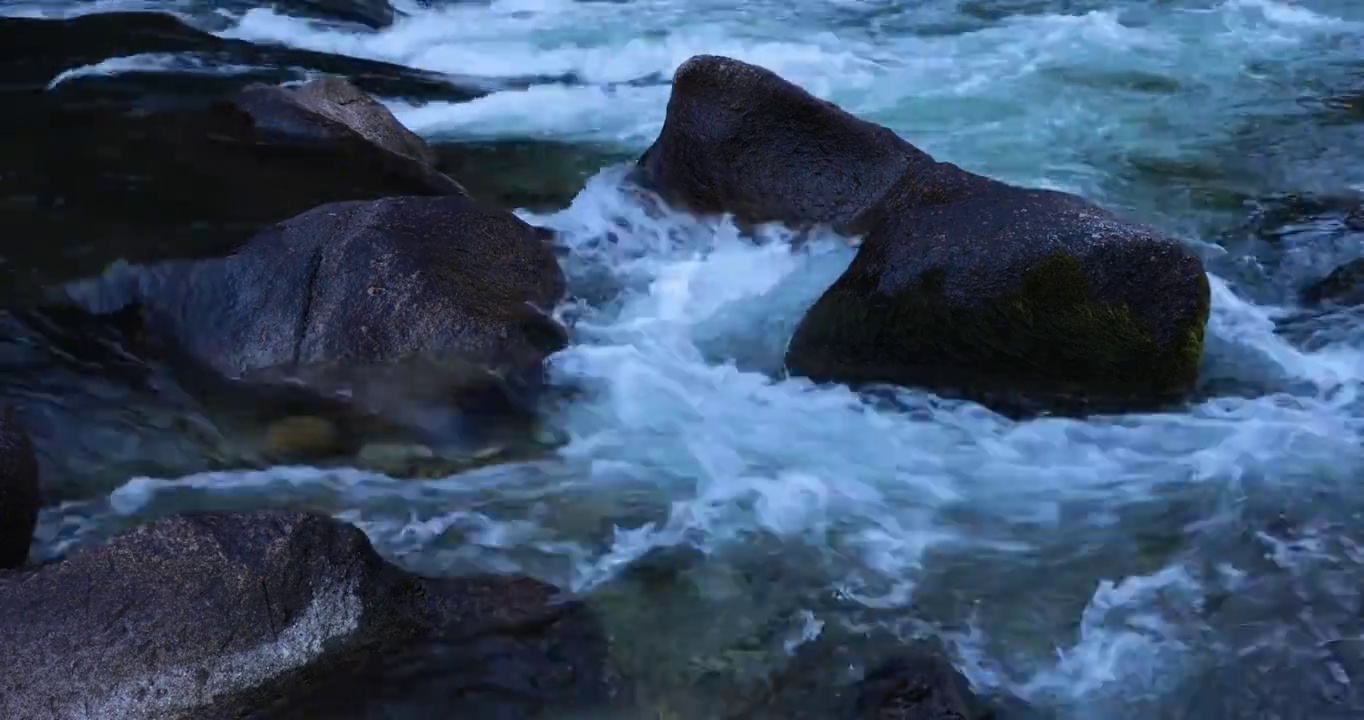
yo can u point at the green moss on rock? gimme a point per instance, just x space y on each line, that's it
1050 342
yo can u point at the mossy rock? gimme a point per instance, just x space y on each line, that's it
1028 301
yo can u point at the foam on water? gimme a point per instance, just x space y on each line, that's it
152 63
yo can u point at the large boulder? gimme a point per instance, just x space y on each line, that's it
285 615
1024 299
19 494
341 293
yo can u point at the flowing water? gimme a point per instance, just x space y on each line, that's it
1203 564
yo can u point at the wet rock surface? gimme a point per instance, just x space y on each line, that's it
330 298
280 615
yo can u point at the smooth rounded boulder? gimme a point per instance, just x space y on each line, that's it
275 614
1027 300
339 294
19 492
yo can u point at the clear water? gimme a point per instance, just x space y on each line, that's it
1199 564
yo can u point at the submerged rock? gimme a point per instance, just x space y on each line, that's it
332 298
915 686
897 682
1344 286
285 615
19 493
1024 299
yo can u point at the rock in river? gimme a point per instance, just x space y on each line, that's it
19 494
359 286
288 615
1024 299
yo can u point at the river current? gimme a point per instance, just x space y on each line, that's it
1205 564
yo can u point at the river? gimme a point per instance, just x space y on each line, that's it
1202 564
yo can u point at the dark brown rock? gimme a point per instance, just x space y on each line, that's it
738 139
19 494
224 616
1024 299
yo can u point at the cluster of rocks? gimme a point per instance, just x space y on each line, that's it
1022 298
1027 300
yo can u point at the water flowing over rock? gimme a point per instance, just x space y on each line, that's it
226 615
1024 299
19 494
338 293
